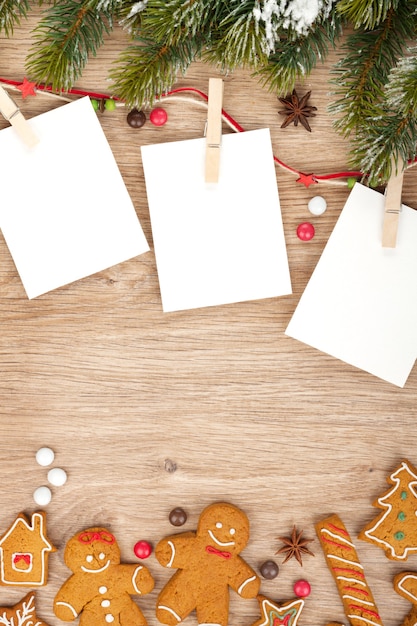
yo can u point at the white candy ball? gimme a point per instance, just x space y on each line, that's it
42 496
317 205
57 476
45 456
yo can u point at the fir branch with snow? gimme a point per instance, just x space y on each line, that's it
280 41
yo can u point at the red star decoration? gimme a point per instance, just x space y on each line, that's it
27 88
307 179
279 614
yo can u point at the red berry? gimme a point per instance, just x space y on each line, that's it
302 588
305 231
142 549
158 116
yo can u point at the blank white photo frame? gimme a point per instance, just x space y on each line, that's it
216 243
65 212
360 304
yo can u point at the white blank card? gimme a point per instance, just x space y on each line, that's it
216 243
65 211
360 304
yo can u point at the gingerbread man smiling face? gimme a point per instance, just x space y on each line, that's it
100 587
208 563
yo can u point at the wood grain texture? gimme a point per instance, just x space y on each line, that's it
96 371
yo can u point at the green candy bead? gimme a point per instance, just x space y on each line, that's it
351 182
110 104
95 104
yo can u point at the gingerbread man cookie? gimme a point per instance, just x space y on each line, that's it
208 563
100 587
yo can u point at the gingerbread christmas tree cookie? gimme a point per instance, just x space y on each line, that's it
395 528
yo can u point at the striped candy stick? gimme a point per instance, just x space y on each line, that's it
343 562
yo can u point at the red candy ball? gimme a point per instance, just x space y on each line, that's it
158 116
305 231
302 588
142 549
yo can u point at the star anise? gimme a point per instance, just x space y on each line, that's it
295 546
297 110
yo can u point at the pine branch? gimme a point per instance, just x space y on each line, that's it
360 76
393 136
239 41
69 32
294 60
147 70
401 89
366 14
11 13
130 15
172 22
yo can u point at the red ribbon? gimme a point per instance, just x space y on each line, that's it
103 535
212 550
22 557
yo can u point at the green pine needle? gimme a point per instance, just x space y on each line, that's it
11 13
293 60
367 14
148 70
67 34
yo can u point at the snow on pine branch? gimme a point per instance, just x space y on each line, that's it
298 15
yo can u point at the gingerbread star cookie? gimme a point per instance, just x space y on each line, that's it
279 614
21 614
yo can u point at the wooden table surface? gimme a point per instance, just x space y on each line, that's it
123 392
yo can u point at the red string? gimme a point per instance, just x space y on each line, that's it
310 178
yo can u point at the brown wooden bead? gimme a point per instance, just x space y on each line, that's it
135 118
178 516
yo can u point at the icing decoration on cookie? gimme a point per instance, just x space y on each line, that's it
207 563
100 587
24 552
405 584
21 614
343 562
395 529
274 614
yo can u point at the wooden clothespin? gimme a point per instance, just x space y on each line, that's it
11 112
214 129
393 204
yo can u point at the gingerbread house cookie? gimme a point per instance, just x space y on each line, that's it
24 552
